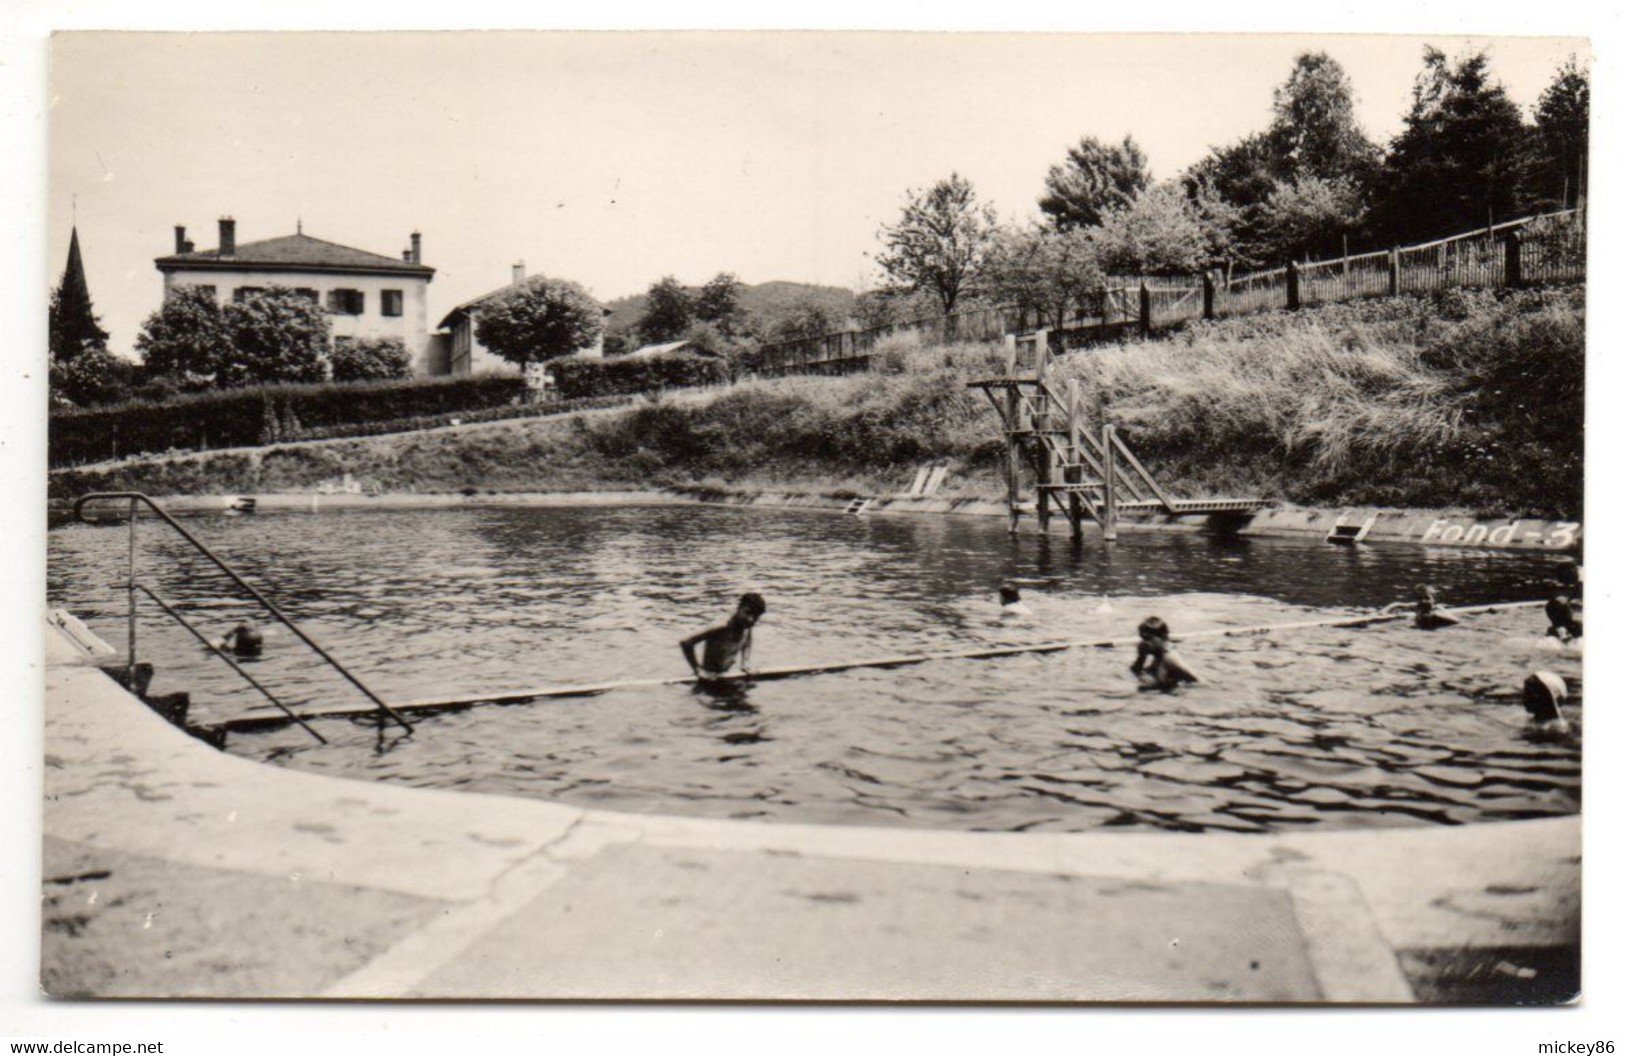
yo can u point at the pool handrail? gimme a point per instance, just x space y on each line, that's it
136 497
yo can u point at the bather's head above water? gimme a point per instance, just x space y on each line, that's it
1153 629
750 610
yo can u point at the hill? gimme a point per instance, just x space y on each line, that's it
767 303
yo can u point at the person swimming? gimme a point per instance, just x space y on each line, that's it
726 643
1430 615
244 640
1543 692
1565 626
1010 603
1155 665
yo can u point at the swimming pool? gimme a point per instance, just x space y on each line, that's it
1386 725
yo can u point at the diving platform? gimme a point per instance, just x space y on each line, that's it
1085 473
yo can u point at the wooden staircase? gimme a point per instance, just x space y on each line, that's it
1079 473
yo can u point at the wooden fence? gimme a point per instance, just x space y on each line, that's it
1536 249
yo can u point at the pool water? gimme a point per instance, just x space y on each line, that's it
1379 726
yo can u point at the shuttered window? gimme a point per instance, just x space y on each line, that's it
346 302
392 300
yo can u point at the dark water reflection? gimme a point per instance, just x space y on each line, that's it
1380 726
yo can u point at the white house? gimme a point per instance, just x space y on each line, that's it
366 294
463 353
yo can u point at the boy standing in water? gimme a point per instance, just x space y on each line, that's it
1155 665
1565 626
723 644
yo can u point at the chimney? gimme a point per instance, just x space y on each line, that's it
180 238
519 273
417 248
406 255
228 237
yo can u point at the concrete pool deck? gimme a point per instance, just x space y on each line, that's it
175 870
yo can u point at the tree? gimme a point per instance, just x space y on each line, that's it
276 334
807 317
185 338
1094 179
73 326
1563 136
370 359
93 376
667 313
1044 270
1165 231
938 243
1314 133
1310 217
718 304
1458 162
538 320
1243 175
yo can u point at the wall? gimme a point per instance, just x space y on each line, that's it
411 326
468 356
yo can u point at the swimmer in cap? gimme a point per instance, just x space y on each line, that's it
244 640
1010 603
1155 665
1543 691
726 643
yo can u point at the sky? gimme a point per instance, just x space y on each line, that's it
614 159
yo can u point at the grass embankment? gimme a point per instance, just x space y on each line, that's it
1465 400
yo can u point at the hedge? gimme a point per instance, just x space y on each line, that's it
265 414
576 377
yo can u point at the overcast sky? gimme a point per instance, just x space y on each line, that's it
616 158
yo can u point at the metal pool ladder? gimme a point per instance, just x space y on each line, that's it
136 500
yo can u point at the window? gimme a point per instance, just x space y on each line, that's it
214 295
243 293
346 302
309 294
392 302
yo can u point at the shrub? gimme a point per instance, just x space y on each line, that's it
579 376
243 417
371 359
275 335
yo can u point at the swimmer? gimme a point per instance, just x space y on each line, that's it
244 639
1565 626
1010 603
1155 665
723 644
1543 691
1430 615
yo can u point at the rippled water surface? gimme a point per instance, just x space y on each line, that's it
1386 725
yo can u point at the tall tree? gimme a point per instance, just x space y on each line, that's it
1051 272
73 323
718 304
938 243
1165 231
1094 179
1314 132
1458 162
1244 175
538 320
667 313
1309 217
1563 136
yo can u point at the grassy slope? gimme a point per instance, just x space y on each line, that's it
1460 400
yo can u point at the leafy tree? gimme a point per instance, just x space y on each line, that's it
73 326
1563 136
1243 175
370 359
1458 162
185 338
1045 270
807 317
1309 217
938 243
538 320
667 313
718 304
1094 179
276 334
1314 133
616 343
1165 231
93 376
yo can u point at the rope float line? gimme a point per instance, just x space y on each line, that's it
425 707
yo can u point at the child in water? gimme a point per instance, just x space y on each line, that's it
244 640
1543 691
1010 603
1430 615
1565 626
1155 665
725 643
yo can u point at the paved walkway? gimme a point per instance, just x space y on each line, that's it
389 891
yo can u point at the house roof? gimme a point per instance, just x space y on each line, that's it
656 350
297 252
